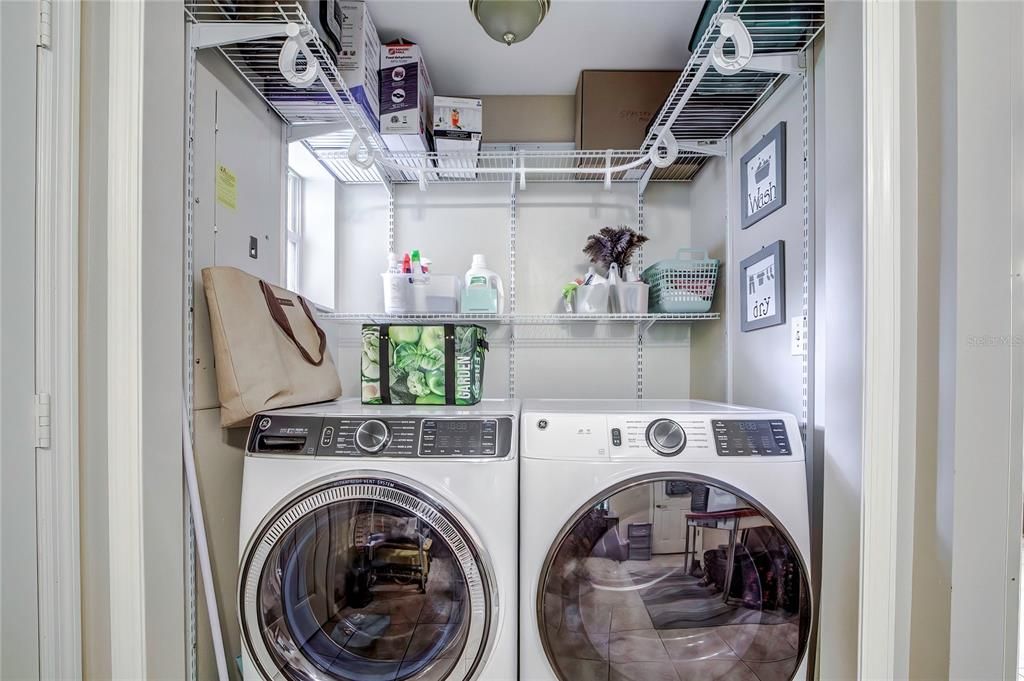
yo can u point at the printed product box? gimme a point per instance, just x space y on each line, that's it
359 57
458 127
406 97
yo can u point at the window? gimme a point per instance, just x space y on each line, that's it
293 231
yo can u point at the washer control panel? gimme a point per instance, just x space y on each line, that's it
751 437
434 437
666 437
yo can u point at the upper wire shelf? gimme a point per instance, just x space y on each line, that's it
719 103
704 107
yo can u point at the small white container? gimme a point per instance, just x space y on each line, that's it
631 297
591 299
397 293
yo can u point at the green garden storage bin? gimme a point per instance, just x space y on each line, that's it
423 364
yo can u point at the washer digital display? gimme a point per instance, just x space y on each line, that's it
751 437
458 437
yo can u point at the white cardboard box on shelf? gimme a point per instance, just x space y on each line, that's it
406 96
458 127
359 60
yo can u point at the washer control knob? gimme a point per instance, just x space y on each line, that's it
666 437
372 436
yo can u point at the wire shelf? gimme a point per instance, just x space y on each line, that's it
518 318
256 59
717 106
720 103
503 166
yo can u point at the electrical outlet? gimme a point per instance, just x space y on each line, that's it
254 248
798 336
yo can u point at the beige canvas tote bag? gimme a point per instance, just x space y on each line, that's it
268 349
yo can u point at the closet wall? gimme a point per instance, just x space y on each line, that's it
451 223
235 130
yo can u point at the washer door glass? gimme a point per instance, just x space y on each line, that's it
674 579
364 580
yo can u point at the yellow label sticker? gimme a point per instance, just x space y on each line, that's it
227 188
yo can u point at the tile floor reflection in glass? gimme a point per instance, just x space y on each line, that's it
615 608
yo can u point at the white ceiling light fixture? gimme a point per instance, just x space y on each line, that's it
509 21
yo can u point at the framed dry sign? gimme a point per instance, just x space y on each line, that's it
763 287
763 177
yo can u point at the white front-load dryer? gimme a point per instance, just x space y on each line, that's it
379 543
662 541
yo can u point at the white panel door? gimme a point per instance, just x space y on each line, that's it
669 521
19 625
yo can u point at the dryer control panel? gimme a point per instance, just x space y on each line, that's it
751 437
436 437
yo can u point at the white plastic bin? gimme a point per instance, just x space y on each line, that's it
630 297
439 294
591 299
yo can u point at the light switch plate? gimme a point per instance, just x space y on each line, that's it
798 336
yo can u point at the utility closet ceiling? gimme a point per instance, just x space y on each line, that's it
576 35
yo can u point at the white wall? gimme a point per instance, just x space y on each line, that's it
451 223
986 347
709 377
234 127
316 269
839 240
764 371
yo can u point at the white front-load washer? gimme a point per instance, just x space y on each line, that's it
379 543
662 541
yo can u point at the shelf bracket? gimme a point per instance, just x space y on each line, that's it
302 131
215 35
792 63
607 171
715 148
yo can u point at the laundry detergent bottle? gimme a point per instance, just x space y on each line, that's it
478 279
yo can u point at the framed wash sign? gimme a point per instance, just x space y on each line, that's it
763 286
763 177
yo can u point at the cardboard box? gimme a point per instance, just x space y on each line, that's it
359 58
458 123
613 108
406 95
458 127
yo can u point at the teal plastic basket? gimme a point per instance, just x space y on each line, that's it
683 285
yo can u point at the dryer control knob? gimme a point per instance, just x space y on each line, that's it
372 436
666 437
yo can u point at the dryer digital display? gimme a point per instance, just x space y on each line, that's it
751 437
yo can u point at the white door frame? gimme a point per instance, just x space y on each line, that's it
124 352
56 285
890 328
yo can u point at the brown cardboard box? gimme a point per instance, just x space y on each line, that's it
613 108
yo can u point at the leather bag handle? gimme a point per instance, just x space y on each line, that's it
277 313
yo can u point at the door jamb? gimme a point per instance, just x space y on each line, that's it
56 285
890 329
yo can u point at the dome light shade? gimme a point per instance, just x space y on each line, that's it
509 21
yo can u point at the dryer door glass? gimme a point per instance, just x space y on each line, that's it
364 580
673 579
